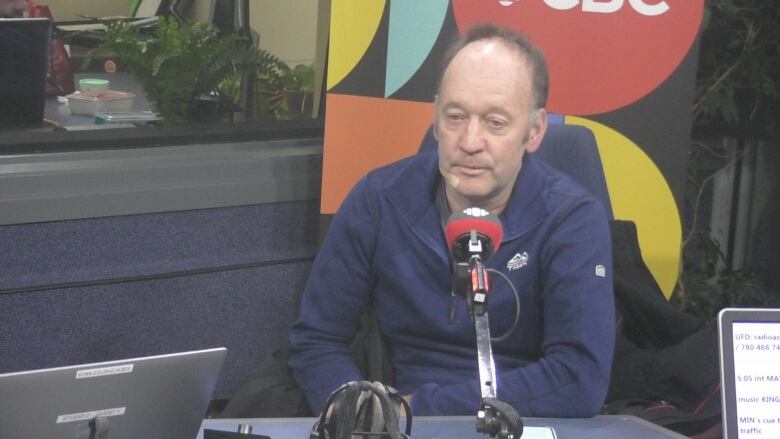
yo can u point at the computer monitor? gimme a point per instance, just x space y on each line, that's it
749 341
24 60
164 396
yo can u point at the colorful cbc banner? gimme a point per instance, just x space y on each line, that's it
623 68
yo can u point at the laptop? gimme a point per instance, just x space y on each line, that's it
750 372
164 396
24 57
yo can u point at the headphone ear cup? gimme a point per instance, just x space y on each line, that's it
320 431
399 403
321 428
362 406
325 431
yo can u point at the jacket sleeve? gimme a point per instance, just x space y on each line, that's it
571 377
337 290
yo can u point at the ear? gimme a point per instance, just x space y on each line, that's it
536 131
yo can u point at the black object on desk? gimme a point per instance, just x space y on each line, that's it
219 434
24 51
363 408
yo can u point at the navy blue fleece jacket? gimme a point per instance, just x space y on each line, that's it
386 247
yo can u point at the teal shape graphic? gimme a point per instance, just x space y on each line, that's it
414 27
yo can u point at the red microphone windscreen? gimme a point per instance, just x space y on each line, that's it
474 218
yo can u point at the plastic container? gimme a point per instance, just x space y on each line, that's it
108 101
93 87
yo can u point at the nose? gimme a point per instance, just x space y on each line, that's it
472 139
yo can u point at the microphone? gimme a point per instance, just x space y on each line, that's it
473 232
473 235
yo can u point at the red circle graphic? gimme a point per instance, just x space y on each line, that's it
603 54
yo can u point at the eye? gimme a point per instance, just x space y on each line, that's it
454 117
495 123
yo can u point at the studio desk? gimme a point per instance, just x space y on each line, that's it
464 427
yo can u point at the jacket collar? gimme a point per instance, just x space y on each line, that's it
525 208
412 193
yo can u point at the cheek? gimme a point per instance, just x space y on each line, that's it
445 158
446 147
509 161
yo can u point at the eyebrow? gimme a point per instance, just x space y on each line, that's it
493 109
451 105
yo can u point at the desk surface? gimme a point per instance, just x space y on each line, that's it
464 427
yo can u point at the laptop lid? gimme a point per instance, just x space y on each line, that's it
25 44
164 396
750 372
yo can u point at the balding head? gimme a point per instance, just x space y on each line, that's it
514 40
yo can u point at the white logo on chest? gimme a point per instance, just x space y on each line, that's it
519 260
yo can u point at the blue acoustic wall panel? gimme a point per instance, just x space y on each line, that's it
247 310
109 288
44 254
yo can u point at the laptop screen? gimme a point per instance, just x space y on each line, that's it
24 55
163 396
750 372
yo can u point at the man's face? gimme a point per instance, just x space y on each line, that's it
12 8
485 124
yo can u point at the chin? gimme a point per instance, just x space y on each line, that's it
474 197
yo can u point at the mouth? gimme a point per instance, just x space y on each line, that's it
471 171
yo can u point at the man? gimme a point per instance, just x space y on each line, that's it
12 8
385 248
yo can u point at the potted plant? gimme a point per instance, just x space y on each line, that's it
268 100
298 90
179 66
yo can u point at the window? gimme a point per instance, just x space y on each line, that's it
81 169
290 33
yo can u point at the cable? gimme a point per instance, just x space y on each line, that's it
505 335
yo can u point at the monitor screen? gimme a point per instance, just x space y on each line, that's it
750 371
163 396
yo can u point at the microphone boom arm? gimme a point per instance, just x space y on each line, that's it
474 234
479 315
494 418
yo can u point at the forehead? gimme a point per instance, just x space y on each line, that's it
487 68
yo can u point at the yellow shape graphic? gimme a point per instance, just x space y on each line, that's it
353 24
639 192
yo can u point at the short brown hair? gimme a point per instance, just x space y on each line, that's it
516 40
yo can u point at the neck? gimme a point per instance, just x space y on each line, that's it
494 205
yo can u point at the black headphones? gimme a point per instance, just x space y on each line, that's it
353 411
